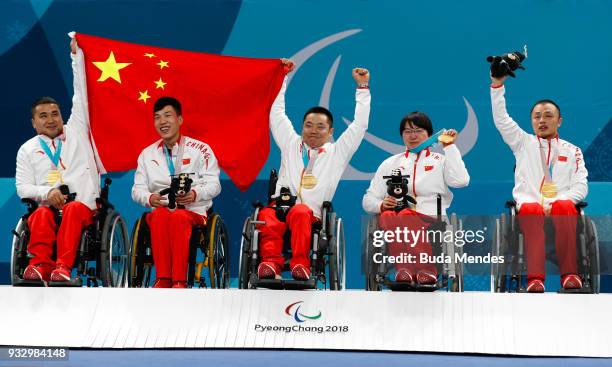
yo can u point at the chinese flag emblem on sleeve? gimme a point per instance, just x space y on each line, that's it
226 102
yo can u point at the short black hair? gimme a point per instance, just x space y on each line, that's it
418 119
542 101
322 110
168 101
42 100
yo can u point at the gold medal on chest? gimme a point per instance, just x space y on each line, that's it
309 181
549 190
54 176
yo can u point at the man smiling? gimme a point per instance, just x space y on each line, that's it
311 167
550 178
157 165
59 155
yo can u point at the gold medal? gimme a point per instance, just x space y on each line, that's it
549 190
54 176
446 139
309 181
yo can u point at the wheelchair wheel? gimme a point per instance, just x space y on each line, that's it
592 246
19 250
457 282
496 251
337 270
245 254
141 262
501 237
114 258
218 252
370 268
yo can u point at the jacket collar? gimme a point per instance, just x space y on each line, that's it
418 155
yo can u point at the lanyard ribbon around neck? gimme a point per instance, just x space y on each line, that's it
54 157
547 165
427 143
178 160
308 160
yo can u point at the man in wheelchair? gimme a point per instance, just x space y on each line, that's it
185 170
51 165
550 179
311 167
409 189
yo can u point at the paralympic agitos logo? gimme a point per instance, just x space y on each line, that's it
294 311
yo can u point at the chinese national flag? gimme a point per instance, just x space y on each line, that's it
226 102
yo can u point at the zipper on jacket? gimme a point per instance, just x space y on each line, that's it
414 175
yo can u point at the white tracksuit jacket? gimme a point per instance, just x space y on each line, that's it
568 173
153 175
332 159
431 174
77 164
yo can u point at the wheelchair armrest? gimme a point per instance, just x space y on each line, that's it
31 203
510 203
328 205
582 205
104 203
104 192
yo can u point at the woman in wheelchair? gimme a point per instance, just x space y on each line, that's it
427 175
187 171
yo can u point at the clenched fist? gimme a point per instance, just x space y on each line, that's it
361 76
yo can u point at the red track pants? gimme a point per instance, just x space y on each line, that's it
564 217
299 221
408 218
75 217
170 233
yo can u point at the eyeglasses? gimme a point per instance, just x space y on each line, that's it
413 131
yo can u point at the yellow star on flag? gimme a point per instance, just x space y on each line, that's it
162 64
149 55
144 96
110 68
159 84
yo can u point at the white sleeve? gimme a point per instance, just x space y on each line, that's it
377 191
79 118
349 141
510 131
207 185
579 187
140 190
455 173
282 128
25 179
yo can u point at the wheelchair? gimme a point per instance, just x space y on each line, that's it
510 276
327 251
208 250
450 274
102 254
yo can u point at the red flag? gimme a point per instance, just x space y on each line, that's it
226 102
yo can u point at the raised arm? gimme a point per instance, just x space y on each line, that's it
349 141
510 131
282 128
79 118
